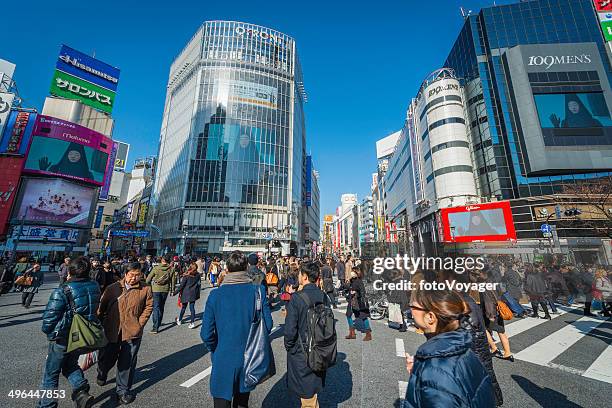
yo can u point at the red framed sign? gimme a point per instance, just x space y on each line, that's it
479 222
603 5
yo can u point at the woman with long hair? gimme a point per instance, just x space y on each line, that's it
357 305
189 289
445 372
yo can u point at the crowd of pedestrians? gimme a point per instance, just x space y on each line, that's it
452 368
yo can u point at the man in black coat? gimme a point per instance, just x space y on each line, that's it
301 380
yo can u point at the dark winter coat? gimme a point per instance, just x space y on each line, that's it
300 378
357 299
341 270
328 279
99 275
37 280
447 374
57 317
535 286
480 345
514 284
226 324
189 288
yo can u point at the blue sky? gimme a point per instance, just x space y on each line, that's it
362 63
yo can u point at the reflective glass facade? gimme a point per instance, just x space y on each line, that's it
477 57
232 145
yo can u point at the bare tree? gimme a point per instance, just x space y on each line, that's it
593 200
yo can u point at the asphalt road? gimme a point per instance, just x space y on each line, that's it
557 363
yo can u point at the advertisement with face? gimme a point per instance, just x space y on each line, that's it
69 150
573 110
480 222
54 201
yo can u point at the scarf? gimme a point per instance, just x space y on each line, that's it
236 278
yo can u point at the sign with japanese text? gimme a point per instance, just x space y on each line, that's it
17 133
108 177
71 87
40 233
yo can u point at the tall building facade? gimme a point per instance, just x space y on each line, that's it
495 143
232 145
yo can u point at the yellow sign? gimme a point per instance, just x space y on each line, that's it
328 218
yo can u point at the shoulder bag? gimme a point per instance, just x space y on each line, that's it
84 335
258 363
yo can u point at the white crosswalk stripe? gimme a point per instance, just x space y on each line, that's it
544 351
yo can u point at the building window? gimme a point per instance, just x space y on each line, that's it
446 121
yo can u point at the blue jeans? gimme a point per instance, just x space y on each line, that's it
159 301
191 309
351 323
58 361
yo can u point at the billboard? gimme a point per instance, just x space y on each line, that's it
249 93
83 66
54 201
61 148
143 209
108 177
18 133
71 87
328 218
9 182
562 95
573 110
480 222
122 155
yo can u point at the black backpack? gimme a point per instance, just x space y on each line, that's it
320 346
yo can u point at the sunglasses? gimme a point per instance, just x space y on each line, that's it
418 308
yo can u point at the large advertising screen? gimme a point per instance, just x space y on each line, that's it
54 201
66 149
573 110
481 222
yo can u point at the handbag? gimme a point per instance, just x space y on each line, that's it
88 360
84 335
504 311
258 363
395 314
24 280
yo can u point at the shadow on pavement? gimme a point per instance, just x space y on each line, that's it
546 397
338 388
23 321
151 374
23 314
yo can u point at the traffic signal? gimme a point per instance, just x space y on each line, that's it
572 212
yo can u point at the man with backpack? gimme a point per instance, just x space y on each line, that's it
162 279
310 338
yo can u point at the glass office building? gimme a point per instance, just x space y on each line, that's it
479 57
526 68
232 144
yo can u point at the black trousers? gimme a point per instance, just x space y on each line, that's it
26 299
241 400
125 355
